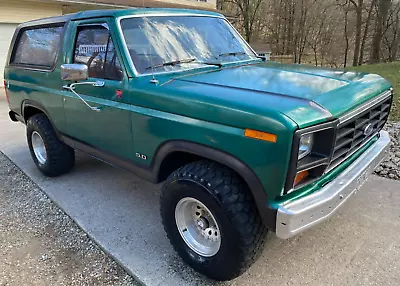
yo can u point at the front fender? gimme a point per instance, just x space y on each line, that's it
267 214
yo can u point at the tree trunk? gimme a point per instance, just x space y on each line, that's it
278 27
383 9
358 32
289 48
395 42
315 56
302 31
346 36
247 29
285 27
360 61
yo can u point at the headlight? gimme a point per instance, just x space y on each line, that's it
310 155
305 145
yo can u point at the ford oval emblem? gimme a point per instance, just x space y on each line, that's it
368 129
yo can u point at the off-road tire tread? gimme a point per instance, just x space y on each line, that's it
235 198
61 157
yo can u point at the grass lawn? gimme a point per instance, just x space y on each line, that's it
390 71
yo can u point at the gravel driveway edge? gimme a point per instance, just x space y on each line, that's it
42 244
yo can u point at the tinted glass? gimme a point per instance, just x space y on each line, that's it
94 47
38 47
155 40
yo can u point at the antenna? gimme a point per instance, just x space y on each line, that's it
153 79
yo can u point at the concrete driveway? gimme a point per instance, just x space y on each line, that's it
360 245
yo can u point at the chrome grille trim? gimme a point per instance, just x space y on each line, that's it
351 131
349 115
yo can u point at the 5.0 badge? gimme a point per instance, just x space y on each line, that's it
141 156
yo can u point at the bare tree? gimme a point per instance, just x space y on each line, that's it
304 28
391 33
366 29
249 12
383 9
346 36
321 32
396 37
358 6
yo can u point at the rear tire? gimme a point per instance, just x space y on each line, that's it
225 206
51 156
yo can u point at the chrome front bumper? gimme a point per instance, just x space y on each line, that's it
299 215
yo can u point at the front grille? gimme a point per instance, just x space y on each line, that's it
351 134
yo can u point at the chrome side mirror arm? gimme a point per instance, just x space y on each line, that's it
71 87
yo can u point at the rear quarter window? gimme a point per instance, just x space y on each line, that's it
37 47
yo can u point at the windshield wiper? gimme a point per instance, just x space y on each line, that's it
185 61
171 63
208 63
232 54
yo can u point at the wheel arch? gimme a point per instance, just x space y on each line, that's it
30 107
165 155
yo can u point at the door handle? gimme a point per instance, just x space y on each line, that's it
72 86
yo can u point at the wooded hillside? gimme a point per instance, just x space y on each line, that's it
336 33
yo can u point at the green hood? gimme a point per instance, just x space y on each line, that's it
335 91
263 96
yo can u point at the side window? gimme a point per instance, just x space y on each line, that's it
37 47
94 47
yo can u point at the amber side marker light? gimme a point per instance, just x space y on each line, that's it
260 135
300 177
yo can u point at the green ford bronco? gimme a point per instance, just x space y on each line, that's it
244 145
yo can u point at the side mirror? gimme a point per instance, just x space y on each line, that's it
74 72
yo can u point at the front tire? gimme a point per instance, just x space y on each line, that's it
211 219
51 156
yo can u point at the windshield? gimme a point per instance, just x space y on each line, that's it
188 41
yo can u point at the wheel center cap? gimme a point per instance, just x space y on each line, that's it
202 223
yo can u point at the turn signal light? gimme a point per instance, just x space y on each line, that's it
300 177
260 135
